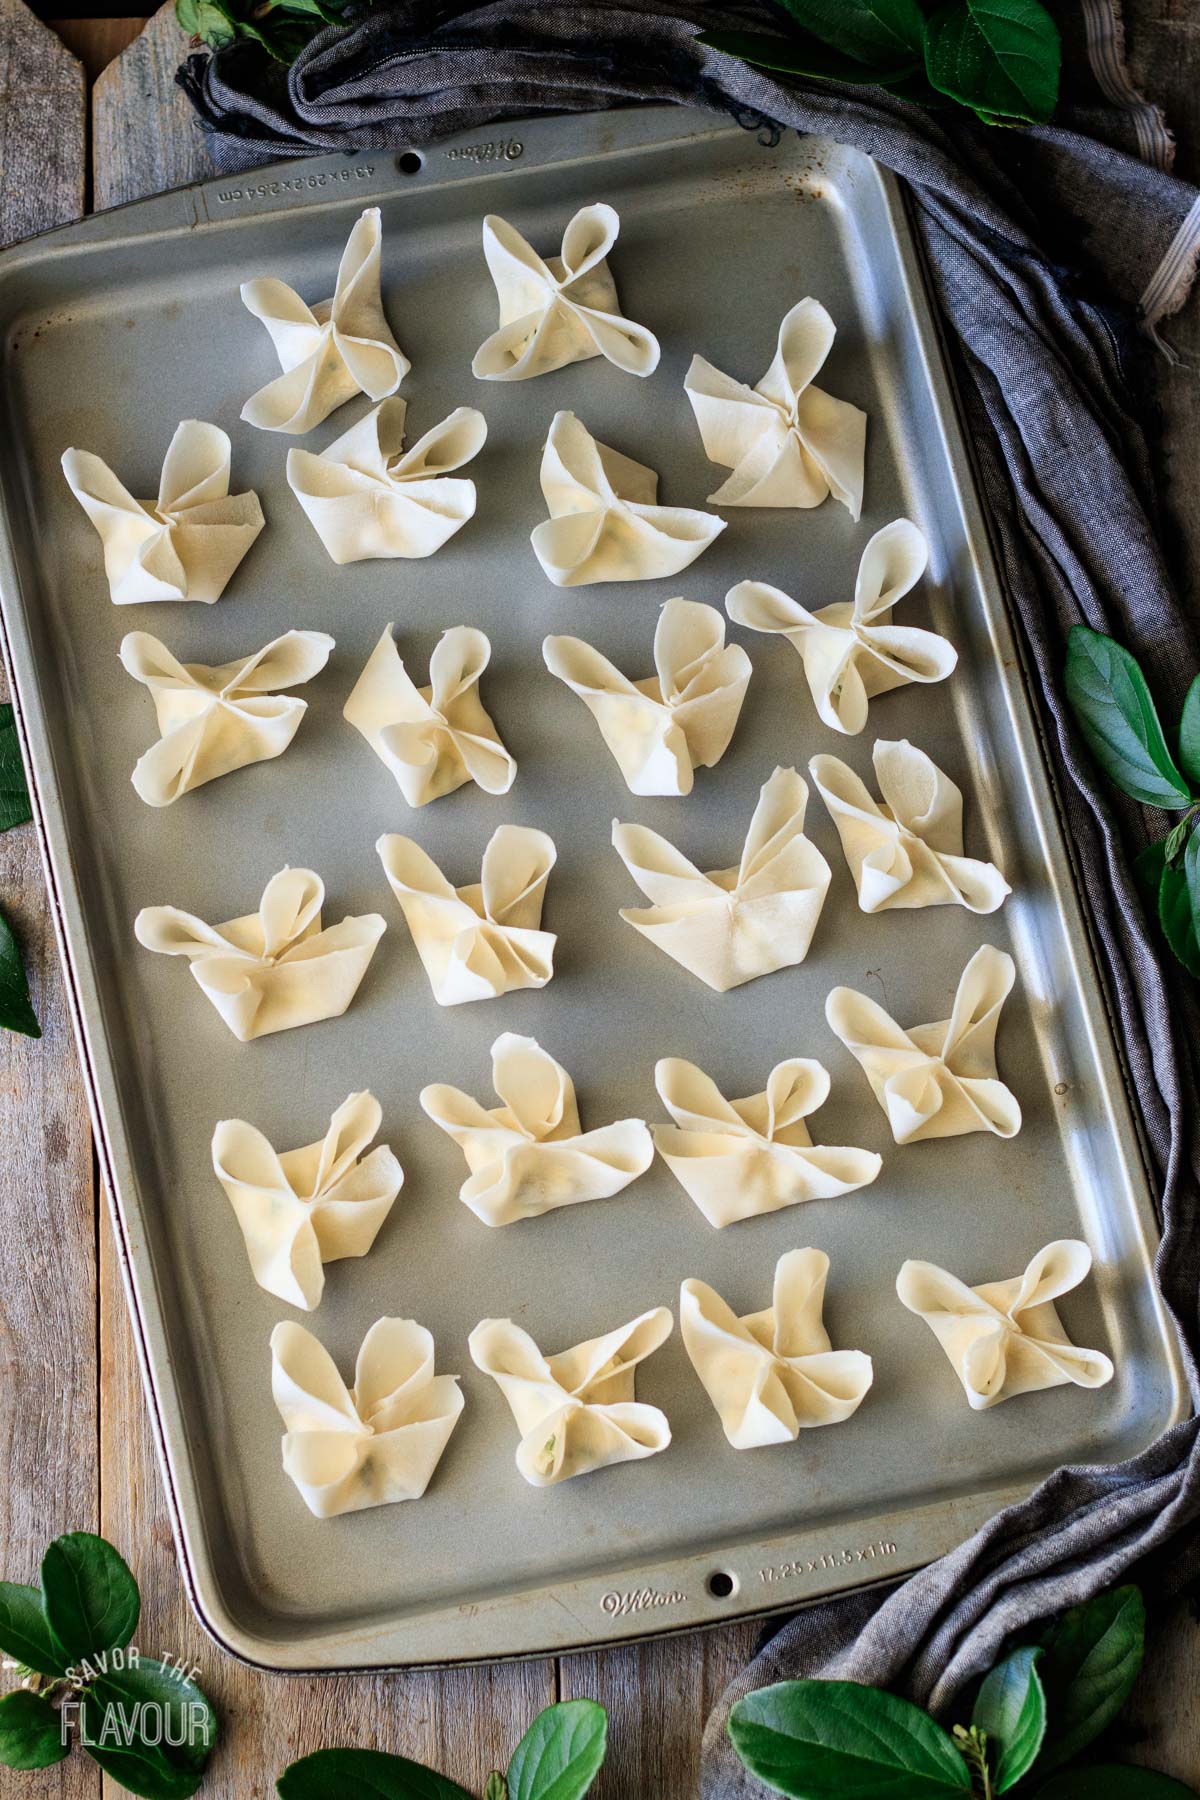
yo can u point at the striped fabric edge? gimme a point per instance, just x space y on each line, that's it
1171 282
1105 33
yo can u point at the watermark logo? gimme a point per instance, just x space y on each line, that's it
121 1699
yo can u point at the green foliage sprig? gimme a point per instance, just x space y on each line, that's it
558 1759
280 27
145 1723
16 1008
1036 1710
1114 710
1000 58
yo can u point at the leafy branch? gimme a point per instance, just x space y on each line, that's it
558 1759
281 27
70 1641
1115 712
1000 58
1034 1712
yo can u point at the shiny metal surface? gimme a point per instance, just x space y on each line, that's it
114 330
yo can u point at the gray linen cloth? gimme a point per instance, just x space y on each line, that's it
1049 369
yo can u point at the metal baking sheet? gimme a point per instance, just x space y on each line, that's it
114 330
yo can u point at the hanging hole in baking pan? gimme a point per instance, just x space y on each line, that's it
721 1584
409 162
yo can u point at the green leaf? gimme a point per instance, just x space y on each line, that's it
24 1633
1011 1709
208 21
1148 867
835 1740
999 56
1092 1656
148 1727
803 56
365 1774
89 1597
1177 917
1114 711
1189 734
16 1008
31 1734
1115 1781
497 1787
560 1755
14 795
1175 842
872 31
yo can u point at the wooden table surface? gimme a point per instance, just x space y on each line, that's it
80 130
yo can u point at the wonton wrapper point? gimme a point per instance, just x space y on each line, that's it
560 310
371 1445
850 654
186 544
431 739
274 969
661 728
483 940
936 1080
215 719
1005 1338
300 1209
576 1411
771 1375
366 497
737 1159
605 524
530 1155
906 850
788 443
730 926
331 351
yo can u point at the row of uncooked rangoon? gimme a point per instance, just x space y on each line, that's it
736 1159
787 443
769 1375
277 968
215 719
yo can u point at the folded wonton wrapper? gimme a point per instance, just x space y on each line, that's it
850 654
773 1374
908 850
299 1209
575 1411
739 1158
1005 1337
275 968
787 442
604 524
661 728
936 1080
374 1443
365 497
186 544
214 720
530 1155
560 311
432 739
480 941
732 925
329 352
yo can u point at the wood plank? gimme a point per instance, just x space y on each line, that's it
97 42
48 1310
658 1696
145 136
462 1722
42 137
